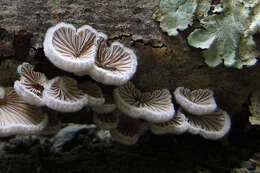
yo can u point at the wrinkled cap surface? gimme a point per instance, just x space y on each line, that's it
62 94
153 106
71 49
31 84
198 102
114 65
211 126
177 125
18 117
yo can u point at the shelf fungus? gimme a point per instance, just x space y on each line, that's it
94 92
176 125
107 118
62 94
71 49
128 130
17 117
153 106
31 84
198 102
211 126
114 65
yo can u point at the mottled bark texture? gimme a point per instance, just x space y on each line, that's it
164 62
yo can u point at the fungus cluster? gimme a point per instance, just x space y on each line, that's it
202 114
85 51
135 112
198 114
60 93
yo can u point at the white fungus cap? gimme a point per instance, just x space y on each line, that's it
70 49
153 106
198 102
114 65
212 126
31 84
19 118
61 94
177 125
26 95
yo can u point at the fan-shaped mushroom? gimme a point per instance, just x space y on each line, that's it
153 106
17 117
211 126
71 49
198 102
114 65
31 84
62 94
176 125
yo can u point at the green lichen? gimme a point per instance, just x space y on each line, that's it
226 29
254 108
175 14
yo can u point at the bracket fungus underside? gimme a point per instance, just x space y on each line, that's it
176 125
153 106
212 126
198 102
62 94
31 84
84 51
202 113
71 49
114 65
18 117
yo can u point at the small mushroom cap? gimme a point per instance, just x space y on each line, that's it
212 126
70 49
31 84
106 121
128 130
153 106
198 102
94 92
114 65
17 117
176 125
62 94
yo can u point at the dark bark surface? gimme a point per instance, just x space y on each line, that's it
164 62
